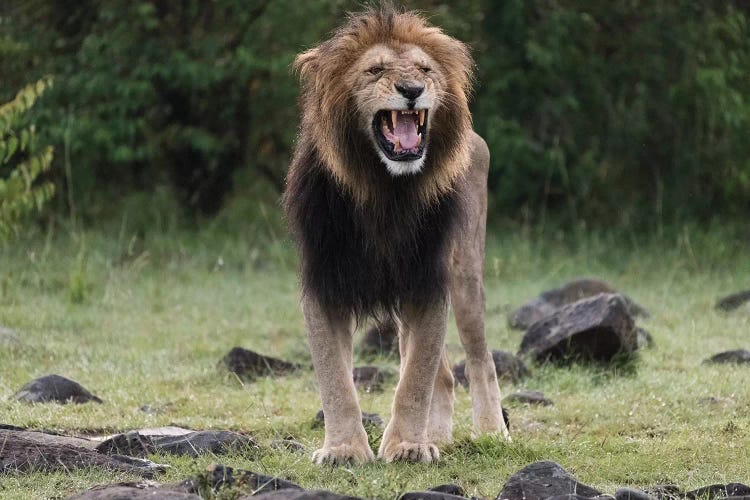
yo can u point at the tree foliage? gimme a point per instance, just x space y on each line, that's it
20 167
604 112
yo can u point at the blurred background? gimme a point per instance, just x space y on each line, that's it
619 114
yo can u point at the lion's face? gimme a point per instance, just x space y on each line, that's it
395 91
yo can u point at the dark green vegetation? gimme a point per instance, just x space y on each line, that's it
145 321
622 112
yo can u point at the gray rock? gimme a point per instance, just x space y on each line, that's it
737 356
221 477
529 398
132 491
596 328
734 301
632 494
508 367
708 492
451 489
542 480
28 451
430 495
550 301
665 491
372 419
300 495
192 444
55 388
380 340
249 365
738 490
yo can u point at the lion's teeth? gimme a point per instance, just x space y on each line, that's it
421 117
394 114
398 144
419 140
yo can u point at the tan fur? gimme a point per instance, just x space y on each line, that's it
336 85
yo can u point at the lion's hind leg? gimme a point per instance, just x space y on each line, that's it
330 339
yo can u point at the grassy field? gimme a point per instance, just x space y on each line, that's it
145 320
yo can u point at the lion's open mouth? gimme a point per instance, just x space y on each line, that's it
401 133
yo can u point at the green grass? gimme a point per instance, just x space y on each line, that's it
145 321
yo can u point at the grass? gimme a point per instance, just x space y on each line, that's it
145 320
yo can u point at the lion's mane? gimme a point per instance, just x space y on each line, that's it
370 241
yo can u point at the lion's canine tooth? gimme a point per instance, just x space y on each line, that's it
421 117
419 140
394 114
398 144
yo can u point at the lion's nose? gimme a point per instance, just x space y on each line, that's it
410 90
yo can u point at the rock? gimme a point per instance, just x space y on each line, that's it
300 495
632 494
738 490
665 491
734 301
507 366
221 477
370 378
288 444
596 328
451 489
35 451
54 388
429 495
707 492
550 301
542 480
132 491
193 444
249 365
506 417
372 419
529 398
576 496
380 340
737 356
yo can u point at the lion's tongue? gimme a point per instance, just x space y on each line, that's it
406 131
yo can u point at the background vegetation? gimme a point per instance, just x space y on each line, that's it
619 113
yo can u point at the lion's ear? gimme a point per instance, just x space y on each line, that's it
306 64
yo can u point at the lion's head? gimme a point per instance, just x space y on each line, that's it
388 91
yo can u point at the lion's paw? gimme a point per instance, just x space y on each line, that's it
411 452
344 454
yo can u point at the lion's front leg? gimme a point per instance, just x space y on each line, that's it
330 338
407 436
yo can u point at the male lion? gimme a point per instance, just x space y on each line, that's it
387 197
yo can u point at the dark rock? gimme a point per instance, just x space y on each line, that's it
508 367
597 328
201 442
542 480
249 365
430 495
380 340
734 301
737 356
550 301
54 388
451 489
35 451
576 496
529 398
288 444
665 491
132 491
372 419
129 443
708 492
218 477
300 495
738 490
506 417
644 339
370 378
632 494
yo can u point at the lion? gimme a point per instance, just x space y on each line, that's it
386 197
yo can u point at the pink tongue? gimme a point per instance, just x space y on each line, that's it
406 131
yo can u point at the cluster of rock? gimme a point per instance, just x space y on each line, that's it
537 481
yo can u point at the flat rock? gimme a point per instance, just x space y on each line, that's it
665 491
430 495
133 491
249 365
451 489
508 367
550 301
737 356
734 301
632 494
542 480
193 444
380 340
367 419
28 451
300 495
529 398
596 328
719 491
55 388
221 477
